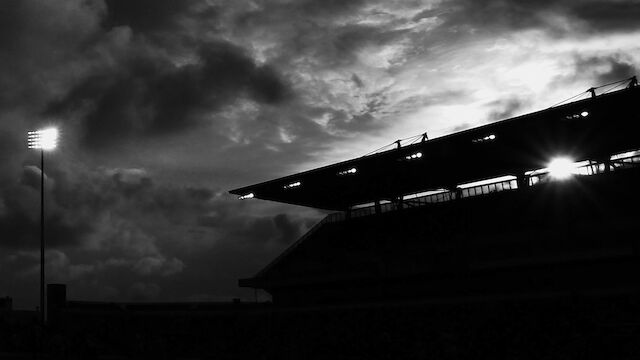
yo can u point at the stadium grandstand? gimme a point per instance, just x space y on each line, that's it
517 239
540 204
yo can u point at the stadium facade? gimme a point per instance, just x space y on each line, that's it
540 204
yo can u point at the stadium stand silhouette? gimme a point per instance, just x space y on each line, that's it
473 214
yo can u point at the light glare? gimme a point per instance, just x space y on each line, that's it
292 185
417 155
246 196
485 138
561 168
348 172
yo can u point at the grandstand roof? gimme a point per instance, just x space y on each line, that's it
592 128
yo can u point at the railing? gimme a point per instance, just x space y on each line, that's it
486 189
590 168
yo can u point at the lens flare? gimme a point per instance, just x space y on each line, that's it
561 168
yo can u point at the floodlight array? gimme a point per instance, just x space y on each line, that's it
46 139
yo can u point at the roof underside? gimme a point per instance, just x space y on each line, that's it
593 129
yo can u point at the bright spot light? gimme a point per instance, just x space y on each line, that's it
348 172
292 185
561 168
417 155
584 113
247 196
46 139
486 138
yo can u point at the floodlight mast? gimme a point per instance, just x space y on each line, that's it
46 139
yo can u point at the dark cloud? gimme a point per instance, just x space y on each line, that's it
141 291
326 7
10 148
281 228
600 69
461 127
310 10
349 38
617 15
289 230
148 95
504 109
20 222
129 187
31 177
606 69
357 81
37 38
595 15
110 228
487 14
145 15
12 15
131 194
316 36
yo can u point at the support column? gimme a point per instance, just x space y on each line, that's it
455 191
458 193
377 207
522 181
42 276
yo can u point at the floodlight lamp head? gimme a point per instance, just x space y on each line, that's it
46 139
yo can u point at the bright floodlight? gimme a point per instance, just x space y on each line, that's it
561 168
246 196
46 139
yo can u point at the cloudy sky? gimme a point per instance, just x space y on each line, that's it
165 105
